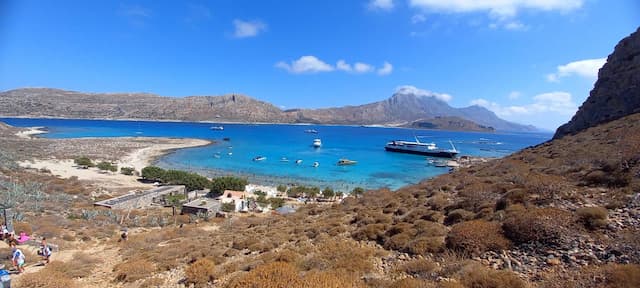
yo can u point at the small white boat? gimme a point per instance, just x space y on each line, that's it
317 143
259 158
299 161
284 159
217 155
316 164
344 162
312 131
216 128
230 153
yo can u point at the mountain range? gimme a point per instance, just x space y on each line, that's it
401 109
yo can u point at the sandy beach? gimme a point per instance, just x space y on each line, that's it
138 159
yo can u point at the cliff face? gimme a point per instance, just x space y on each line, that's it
617 91
400 109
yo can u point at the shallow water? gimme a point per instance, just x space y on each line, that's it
375 168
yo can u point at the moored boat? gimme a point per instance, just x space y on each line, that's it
420 148
216 128
344 162
259 158
317 143
311 131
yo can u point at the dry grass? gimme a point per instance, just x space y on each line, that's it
46 278
81 266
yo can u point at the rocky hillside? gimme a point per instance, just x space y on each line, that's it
38 102
451 123
617 91
401 109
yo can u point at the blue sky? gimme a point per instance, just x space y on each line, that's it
530 61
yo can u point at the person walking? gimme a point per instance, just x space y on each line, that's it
18 258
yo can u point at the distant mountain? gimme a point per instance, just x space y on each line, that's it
403 108
616 93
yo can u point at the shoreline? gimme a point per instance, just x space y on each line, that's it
138 159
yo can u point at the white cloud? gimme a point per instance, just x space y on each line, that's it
514 95
305 64
311 64
386 69
515 25
360 67
584 68
559 103
381 4
342 65
412 90
244 29
418 18
495 8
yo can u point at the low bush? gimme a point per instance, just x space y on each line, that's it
458 215
106 166
543 225
477 236
478 276
276 274
133 270
83 161
127 170
200 272
623 276
593 217
418 268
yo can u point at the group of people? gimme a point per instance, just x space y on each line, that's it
18 257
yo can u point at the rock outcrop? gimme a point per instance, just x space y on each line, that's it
616 93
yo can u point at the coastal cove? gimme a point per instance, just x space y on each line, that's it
233 156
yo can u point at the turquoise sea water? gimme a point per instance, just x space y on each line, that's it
376 168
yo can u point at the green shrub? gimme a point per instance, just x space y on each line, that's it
218 185
477 236
228 207
593 217
153 173
127 170
276 202
107 166
83 161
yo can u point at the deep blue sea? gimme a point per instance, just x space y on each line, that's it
376 168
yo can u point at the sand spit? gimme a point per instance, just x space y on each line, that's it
145 153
